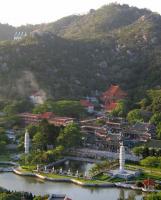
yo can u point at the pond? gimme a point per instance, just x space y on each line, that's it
14 182
74 165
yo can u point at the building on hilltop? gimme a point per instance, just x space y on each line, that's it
38 97
29 118
111 97
87 105
19 35
61 121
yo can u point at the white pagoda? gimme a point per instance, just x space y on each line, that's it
27 142
122 157
122 172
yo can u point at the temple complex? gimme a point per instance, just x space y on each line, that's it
112 96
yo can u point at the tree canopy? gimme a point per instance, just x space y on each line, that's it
70 136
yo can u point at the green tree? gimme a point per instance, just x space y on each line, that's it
153 196
19 106
70 136
158 130
135 116
32 129
156 118
39 141
68 108
156 104
121 109
150 161
138 151
9 196
46 135
141 151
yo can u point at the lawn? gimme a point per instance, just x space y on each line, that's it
28 168
152 173
148 172
102 177
57 176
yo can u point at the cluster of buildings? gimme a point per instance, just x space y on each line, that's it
109 99
29 118
107 136
19 35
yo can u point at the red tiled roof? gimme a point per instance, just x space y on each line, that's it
85 103
114 91
47 115
149 182
36 116
110 106
61 119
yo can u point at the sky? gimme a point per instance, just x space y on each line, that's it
18 12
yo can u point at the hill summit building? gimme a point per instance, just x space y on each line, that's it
19 35
112 96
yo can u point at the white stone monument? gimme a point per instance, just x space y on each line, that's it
122 172
60 171
53 169
77 173
27 142
122 157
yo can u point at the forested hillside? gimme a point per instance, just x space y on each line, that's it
79 55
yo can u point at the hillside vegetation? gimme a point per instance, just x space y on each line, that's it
79 55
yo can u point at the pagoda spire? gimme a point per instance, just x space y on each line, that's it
27 142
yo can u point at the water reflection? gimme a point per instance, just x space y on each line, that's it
132 195
36 186
82 167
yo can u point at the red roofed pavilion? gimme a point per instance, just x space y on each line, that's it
149 184
111 97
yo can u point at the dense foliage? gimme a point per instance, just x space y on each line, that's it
114 44
70 136
151 161
68 108
7 195
146 151
50 142
153 196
